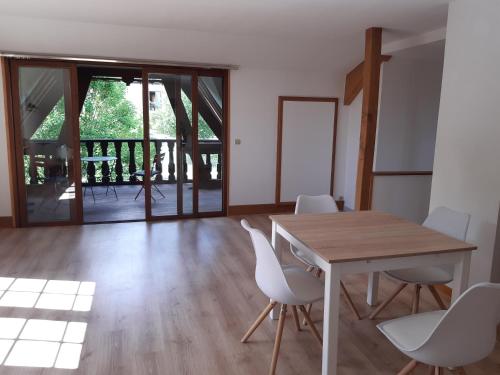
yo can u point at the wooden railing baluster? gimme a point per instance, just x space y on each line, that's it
209 166
33 170
90 165
118 165
142 146
158 167
171 161
184 167
219 166
131 164
105 165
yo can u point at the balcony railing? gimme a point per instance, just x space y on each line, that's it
128 153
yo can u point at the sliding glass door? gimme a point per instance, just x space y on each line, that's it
171 145
44 123
211 138
100 143
186 132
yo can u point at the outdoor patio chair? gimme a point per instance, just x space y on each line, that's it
158 158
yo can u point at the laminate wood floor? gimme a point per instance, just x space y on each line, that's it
176 297
44 205
126 207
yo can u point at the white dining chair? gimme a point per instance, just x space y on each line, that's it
318 204
285 285
462 335
444 220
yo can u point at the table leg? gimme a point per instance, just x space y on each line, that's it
275 313
331 320
461 276
372 291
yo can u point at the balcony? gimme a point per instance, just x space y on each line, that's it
100 180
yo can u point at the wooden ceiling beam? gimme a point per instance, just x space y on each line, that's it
354 81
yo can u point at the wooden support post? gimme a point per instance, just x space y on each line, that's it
371 81
354 81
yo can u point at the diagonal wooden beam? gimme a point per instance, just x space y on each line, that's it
354 81
371 82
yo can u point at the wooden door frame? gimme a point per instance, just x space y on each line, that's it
20 217
279 143
11 158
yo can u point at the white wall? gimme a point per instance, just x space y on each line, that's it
410 90
408 112
254 111
5 206
269 67
404 196
466 167
422 133
346 165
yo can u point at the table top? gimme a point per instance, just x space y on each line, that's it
364 235
98 158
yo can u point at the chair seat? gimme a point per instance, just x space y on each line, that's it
306 287
410 332
142 173
425 275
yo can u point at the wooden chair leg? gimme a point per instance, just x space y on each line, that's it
312 327
309 308
277 341
387 301
437 297
434 370
296 318
458 371
259 320
416 299
408 368
349 301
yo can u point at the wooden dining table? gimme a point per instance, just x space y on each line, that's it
366 242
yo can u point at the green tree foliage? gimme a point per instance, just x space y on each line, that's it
162 119
108 114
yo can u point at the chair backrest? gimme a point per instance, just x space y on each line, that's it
449 222
268 272
315 204
51 167
452 223
467 332
157 160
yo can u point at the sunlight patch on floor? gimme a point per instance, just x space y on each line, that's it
46 294
39 342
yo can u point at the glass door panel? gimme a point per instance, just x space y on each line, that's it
112 144
210 143
171 144
44 136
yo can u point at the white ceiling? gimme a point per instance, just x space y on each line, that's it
331 19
